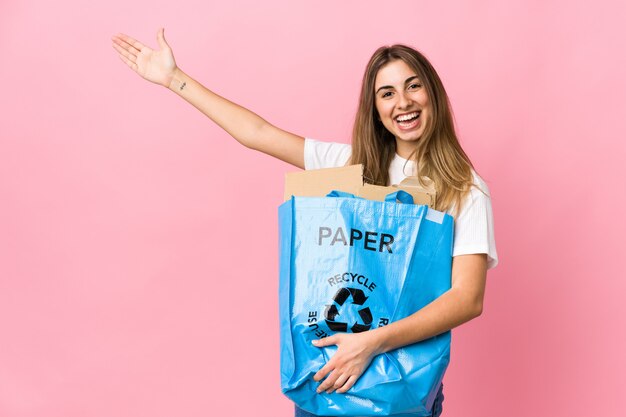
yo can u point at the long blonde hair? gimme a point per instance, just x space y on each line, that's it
438 154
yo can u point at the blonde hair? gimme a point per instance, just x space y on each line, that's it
438 153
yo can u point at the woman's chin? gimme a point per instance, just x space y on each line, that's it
408 137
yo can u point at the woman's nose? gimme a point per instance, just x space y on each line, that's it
405 101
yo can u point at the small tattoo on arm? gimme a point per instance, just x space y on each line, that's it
183 85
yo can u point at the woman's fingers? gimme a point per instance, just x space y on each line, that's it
328 382
338 383
161 39
324 371
125 52
327 341
126 46
128 58
128 62
131 41
349 383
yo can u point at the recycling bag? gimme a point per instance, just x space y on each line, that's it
351 265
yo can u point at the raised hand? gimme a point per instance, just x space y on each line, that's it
248 128
155 66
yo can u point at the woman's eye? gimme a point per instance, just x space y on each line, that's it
386 94
414 86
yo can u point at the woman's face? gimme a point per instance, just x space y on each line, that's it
402 104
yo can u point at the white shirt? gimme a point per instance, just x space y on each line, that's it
473 227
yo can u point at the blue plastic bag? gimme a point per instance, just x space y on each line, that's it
350 265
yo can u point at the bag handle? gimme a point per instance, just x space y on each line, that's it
337 193
401 196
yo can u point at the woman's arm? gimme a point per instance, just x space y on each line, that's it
458 305
246 127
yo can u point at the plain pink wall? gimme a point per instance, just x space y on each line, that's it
138 268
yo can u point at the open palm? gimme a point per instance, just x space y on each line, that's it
157 66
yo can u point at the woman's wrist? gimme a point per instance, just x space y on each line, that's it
378 340
177 81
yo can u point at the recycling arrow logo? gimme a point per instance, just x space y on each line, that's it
332 311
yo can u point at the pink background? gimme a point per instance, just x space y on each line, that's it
128 220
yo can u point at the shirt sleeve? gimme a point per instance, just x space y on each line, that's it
473 229
319 154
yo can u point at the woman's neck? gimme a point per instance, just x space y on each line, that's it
405 149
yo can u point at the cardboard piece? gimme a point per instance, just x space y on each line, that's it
319 182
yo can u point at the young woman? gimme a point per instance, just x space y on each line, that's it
403 127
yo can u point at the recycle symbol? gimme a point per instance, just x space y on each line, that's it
332 311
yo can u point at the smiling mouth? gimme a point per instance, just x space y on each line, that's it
409 120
